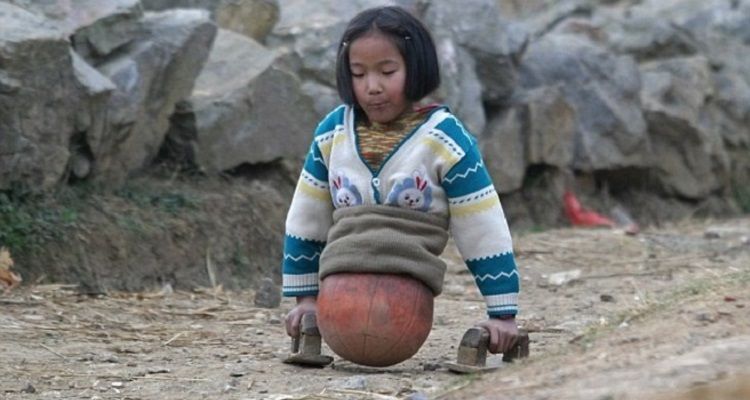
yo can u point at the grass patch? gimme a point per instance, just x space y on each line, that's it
742 197
171 202
28 222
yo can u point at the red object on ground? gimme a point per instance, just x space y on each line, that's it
579 216
374 319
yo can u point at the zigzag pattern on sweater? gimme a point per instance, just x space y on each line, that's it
495 277
479 165
301 256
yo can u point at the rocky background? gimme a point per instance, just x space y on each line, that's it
642 104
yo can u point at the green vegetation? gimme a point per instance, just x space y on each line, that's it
742 196
167 201
28 221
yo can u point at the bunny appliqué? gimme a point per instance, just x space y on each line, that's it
344 193
413 192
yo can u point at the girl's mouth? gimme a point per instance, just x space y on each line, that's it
377 106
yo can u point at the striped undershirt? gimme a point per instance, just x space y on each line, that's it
376 141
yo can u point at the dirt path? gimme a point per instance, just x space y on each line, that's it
612 317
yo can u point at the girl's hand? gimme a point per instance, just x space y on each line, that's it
503 334
305 304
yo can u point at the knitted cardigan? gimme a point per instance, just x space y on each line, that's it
436 169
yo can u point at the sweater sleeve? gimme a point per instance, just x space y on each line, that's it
308 220
480 230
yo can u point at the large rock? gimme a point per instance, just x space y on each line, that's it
503 150
496 43
603 89
151 77
689 156
312 30
244 110
39 100
536 129
647 37
91 116
96 27
460 86
252 18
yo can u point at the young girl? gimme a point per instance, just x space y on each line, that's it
382 159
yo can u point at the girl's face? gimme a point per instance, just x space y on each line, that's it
378 77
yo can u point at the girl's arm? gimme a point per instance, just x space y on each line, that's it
481 232
307 225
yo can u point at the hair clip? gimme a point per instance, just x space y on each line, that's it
407 37
344 44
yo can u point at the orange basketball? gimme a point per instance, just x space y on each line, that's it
374 319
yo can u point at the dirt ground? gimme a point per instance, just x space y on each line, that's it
611 316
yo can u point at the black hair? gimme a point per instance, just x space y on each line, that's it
413 41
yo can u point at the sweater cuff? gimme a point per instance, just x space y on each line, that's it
294 285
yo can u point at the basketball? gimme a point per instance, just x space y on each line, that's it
375 320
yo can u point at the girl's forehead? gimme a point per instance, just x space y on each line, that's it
375 45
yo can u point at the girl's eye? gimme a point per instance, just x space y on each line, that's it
389 72
357 75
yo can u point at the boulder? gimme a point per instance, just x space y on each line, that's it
39 100
460 87
495 42
536 129
252 18
503 150
244 110
151 77
96 27
603 89
647 37
689 155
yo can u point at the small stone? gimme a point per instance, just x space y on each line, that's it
431 366
562 278
231 385
711 234
268 294
607 298
355 383
417 396
157 370
29 389
705 317
117 385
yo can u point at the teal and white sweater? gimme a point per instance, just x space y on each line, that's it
436 169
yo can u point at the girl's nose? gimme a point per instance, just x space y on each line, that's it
373 86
